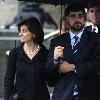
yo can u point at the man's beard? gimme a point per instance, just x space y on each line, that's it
77 27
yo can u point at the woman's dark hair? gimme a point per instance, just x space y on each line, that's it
35 27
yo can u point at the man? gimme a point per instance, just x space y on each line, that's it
93 14
74 59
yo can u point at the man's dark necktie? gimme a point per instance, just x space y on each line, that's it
75 44
74 51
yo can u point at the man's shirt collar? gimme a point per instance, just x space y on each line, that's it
72 34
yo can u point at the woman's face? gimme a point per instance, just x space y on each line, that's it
25 34
92 14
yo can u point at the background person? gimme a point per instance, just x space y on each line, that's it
27 64
93 10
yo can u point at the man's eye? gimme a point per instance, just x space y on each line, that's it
77 16
72 16
80 15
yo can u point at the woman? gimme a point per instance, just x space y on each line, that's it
26 64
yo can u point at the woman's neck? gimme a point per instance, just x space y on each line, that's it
30 47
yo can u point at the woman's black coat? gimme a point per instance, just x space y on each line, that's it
31 77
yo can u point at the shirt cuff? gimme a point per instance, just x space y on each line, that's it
55 62
74 68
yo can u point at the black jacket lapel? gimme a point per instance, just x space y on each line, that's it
84 46
66 42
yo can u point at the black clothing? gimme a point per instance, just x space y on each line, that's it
87 63
30 75
89 28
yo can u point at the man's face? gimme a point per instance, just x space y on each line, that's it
76 21
93 14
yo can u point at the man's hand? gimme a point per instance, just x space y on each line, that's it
65 67
58 52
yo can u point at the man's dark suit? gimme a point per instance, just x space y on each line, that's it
87 62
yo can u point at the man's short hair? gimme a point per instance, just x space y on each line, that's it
74 7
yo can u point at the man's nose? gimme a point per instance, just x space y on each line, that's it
77 18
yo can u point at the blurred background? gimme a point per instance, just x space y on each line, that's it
13 11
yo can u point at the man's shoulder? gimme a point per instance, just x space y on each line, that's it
59 37
88 30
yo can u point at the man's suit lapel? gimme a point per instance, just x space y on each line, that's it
84 40
83 46
66 41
